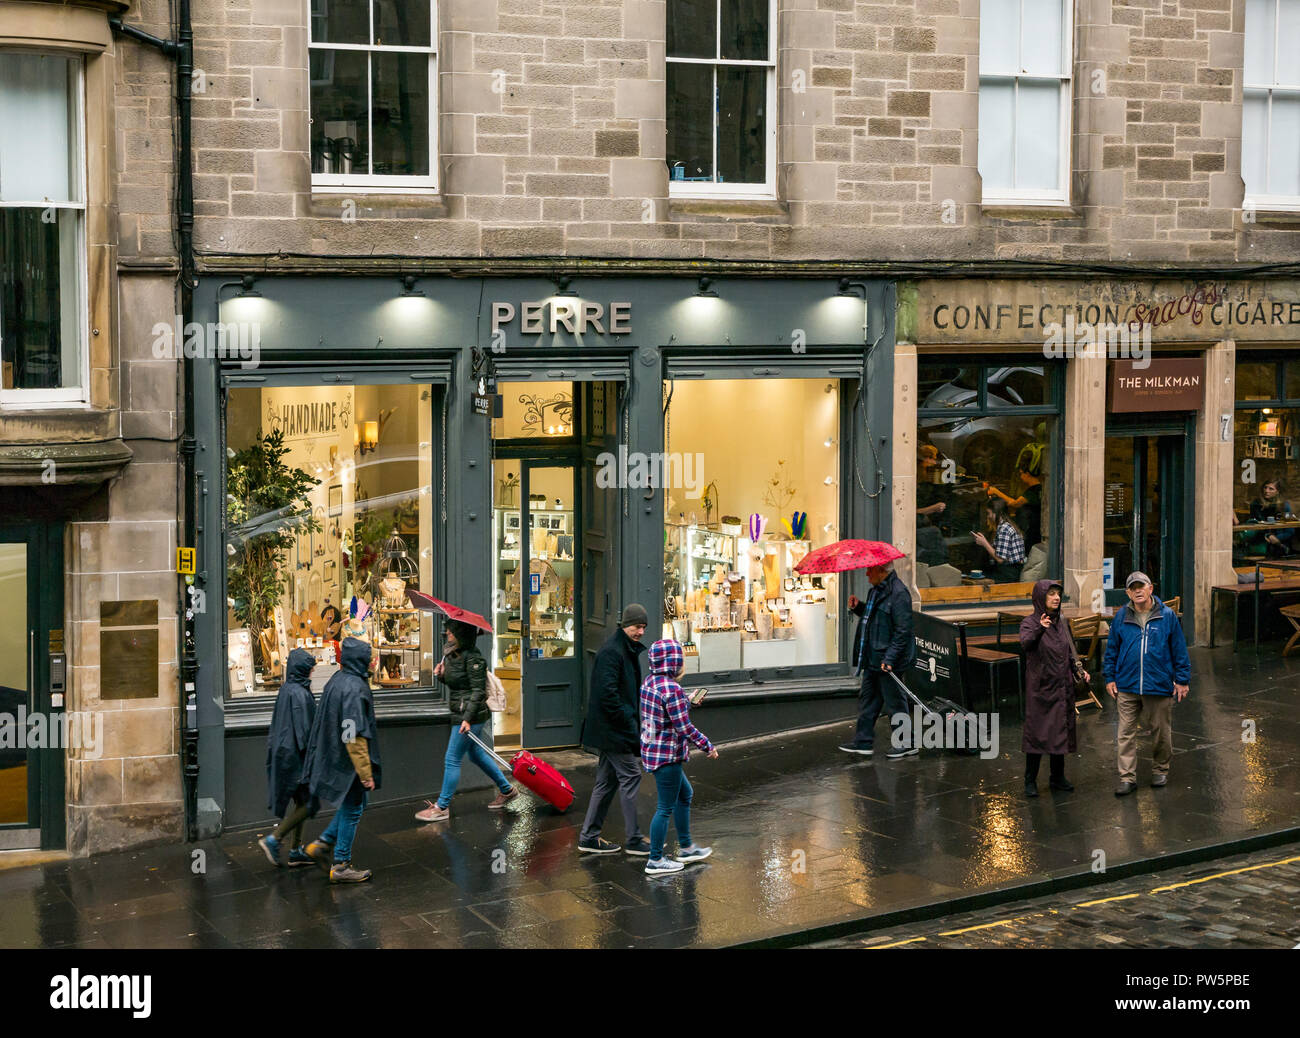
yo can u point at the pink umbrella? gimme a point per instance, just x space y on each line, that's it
422 601
847 555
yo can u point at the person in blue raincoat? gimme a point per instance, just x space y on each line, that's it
343 759
286 748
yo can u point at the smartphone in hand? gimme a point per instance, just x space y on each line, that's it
696 696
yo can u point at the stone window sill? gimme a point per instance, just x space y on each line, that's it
371 206
697 210
1012 211
1273 218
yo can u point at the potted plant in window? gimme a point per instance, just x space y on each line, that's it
266 504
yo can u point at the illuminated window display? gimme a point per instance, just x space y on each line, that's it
1266 462
329 502
751 479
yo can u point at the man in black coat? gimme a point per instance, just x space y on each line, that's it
883 643
613 729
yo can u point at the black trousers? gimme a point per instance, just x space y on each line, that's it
1057 766
878 690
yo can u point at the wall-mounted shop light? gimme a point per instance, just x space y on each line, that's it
704 291
562 289
246 290
408 286
365 436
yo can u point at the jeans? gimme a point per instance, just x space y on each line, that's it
878 689
674 799
621 773
343 828
459 745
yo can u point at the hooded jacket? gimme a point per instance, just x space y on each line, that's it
286 743
1049 678
464 672
1147 660
346 711
885 626
613 722
666 730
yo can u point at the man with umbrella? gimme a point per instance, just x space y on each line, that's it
883 642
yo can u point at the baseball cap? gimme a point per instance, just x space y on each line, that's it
1137 577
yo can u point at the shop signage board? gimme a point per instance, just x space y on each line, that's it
1019 311
1162 384
937 670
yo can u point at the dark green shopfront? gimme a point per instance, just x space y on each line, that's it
540 451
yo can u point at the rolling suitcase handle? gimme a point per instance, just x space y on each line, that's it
909 694
501 761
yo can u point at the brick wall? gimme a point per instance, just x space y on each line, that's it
565 155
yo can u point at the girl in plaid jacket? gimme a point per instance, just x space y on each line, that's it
666 738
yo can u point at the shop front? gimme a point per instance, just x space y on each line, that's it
540 453
1088 429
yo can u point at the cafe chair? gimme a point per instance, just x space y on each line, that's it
1292 614
1176 604
1086 632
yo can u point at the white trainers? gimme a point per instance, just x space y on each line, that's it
662 867
688 855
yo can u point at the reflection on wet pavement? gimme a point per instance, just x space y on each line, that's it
803 837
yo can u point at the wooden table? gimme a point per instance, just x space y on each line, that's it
1283 583
1014 614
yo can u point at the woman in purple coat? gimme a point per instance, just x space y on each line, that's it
1049 691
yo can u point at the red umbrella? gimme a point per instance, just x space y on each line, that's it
422 601
847 555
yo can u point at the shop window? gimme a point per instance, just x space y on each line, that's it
329 499
751 482
986 524
42 220
1267 462
535 411
373 93
1024 101
1270 120
721 86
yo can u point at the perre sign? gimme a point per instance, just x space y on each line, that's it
1165 384
575 316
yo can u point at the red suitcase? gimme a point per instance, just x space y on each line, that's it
536 775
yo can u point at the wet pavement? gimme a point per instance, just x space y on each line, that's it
805 838
1242 901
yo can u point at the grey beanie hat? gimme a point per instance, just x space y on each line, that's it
634 613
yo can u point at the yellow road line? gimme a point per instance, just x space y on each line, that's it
982 926
1106 900
896 944
1221 875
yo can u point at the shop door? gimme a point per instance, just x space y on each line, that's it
539 639
1144 512
598 509
31 607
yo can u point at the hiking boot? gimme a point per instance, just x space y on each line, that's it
1031 788
638 848
1125 788
687 855
271 848
298 856
502 799
343 872
662 867
598 845
433 813
861 751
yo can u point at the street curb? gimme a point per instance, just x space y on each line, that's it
1022 892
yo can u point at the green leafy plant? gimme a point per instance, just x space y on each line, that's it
266 506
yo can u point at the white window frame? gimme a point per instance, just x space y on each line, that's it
1038 196
380 183
77 394
767 189
1263 200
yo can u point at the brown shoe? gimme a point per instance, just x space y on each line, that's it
345 873
502 799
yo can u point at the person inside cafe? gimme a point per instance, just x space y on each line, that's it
1028 505
931 504
1269 506
1007 552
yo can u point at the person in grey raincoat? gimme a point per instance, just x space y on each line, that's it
343 758
1049 687
286 747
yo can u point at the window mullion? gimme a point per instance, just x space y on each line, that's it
716 116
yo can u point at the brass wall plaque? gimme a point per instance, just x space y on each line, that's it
128 649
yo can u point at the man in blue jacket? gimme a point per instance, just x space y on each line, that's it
1146 669
883 643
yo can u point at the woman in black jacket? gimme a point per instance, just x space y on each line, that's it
464 671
